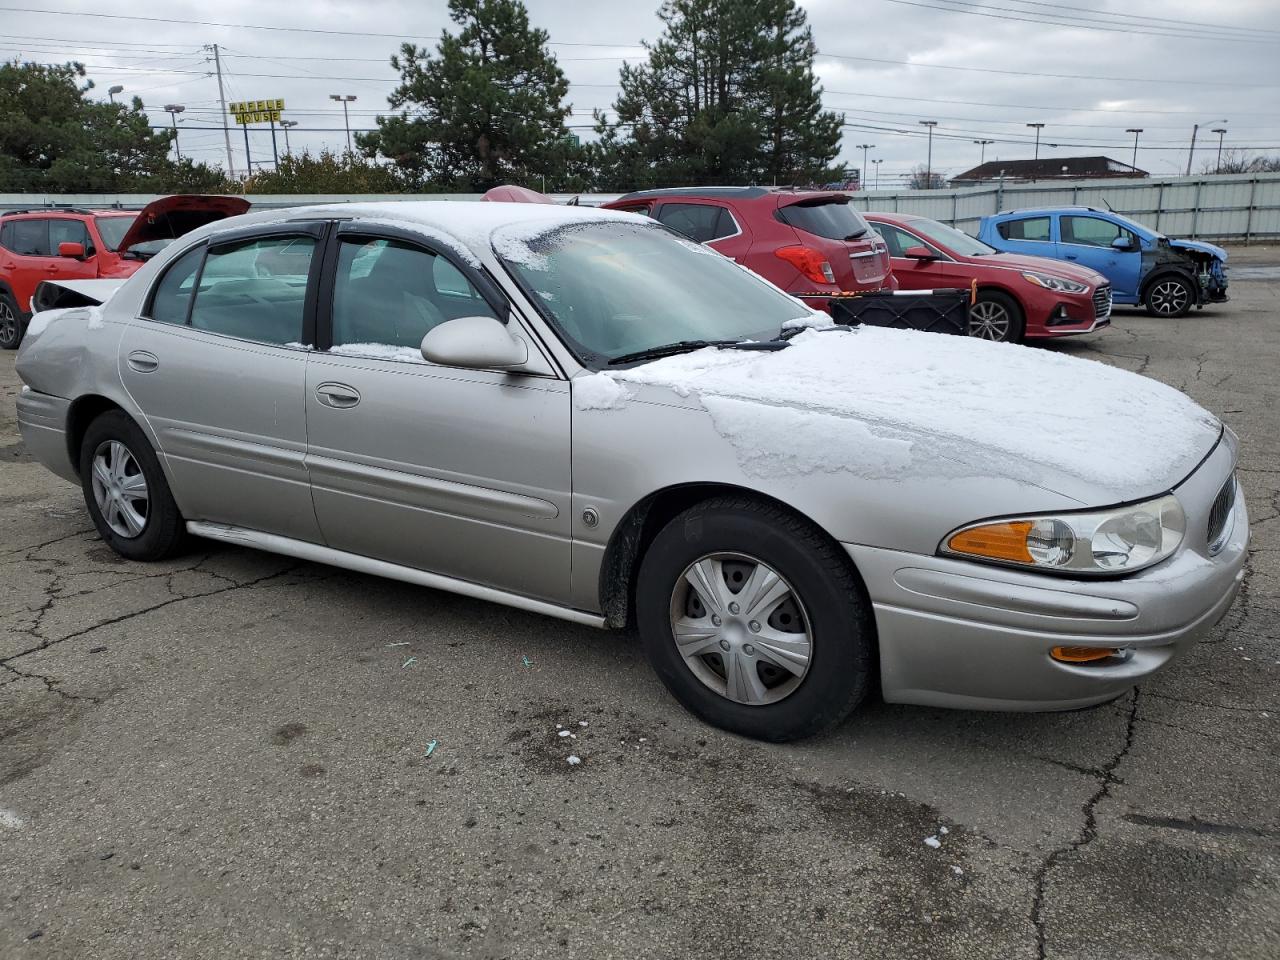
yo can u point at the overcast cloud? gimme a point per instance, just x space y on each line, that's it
1217 79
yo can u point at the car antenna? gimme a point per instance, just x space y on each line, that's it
1110 208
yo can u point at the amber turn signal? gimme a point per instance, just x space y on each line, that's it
996 541
1082 654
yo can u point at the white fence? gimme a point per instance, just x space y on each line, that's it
1232 207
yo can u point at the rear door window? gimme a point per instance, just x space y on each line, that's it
171 299
1028 228
701 222
27 238
833 219
255 289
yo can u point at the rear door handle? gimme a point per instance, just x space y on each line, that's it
1072 256
142 361
337 395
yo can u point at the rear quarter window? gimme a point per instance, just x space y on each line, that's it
832 219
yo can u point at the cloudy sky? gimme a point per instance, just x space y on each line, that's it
983 69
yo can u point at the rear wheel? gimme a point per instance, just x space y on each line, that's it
1170 296
996 316
126 491
10 322
754 620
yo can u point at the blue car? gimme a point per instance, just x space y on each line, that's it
1168 277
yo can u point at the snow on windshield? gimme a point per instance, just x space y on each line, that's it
877 402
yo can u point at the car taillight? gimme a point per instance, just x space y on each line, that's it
808 261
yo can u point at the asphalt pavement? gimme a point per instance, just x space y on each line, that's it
238 755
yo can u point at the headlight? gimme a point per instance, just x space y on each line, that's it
1119 540
1061 284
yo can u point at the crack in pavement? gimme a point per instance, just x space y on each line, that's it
50 684
1088 832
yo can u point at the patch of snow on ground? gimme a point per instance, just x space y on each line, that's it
599 391
11 821
958 406
378 351
932 842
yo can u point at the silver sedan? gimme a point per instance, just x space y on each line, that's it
581 414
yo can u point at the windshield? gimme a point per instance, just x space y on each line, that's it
1136 227
113 229
832 218
618 288
951 238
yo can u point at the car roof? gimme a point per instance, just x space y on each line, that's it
68 212
1046 211
726 193
892 217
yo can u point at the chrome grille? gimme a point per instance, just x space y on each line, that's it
1221 511
1102 302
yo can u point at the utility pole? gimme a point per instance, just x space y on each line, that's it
222 105
1039 127
928 167
173 109
285 125
864 147
1135 131
1194 130
1220 131
344 99
876 164
982 152
275 154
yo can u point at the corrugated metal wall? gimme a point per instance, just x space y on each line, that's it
1234 207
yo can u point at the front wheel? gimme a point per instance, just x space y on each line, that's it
754 620
126 491
996 316
10 323
1170 297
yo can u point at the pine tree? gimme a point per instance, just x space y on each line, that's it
486 109
727 95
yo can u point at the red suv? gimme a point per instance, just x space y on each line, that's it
67 244
810 243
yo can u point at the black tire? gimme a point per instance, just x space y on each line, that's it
831 598
1006 315
11 325
164 530
1169 296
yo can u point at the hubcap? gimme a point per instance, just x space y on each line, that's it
741 628
989 320
120 489
1169 297
8 324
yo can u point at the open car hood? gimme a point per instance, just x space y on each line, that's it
170 217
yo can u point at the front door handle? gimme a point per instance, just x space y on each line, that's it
142 361
337 395
1072 256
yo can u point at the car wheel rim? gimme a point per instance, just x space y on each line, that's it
8 324
741 629
1169 297
989 320
120 489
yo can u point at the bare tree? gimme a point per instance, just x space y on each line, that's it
1241 161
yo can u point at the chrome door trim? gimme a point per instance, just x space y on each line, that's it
348 476
315 553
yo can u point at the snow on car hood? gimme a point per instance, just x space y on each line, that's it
1201 246
897 403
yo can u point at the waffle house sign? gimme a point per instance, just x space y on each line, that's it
256 111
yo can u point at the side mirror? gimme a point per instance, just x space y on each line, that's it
1122 243
919 252
480 343
70 249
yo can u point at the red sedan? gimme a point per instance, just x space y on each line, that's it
1018 296
810 243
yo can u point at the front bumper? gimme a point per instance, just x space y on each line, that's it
958 634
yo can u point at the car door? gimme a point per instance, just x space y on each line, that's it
33 260
67 230
710 223
461 472
1087 240
217 364
913 273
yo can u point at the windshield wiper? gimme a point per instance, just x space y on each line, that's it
688 346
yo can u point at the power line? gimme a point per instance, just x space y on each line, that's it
1136 16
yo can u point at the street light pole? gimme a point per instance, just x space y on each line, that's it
1194 130
1135 131
876 164
174 109
285 125
112 91
344 99
928 167
982 153
1220 131
1039 127
864 147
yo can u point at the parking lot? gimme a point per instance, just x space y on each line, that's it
235 754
